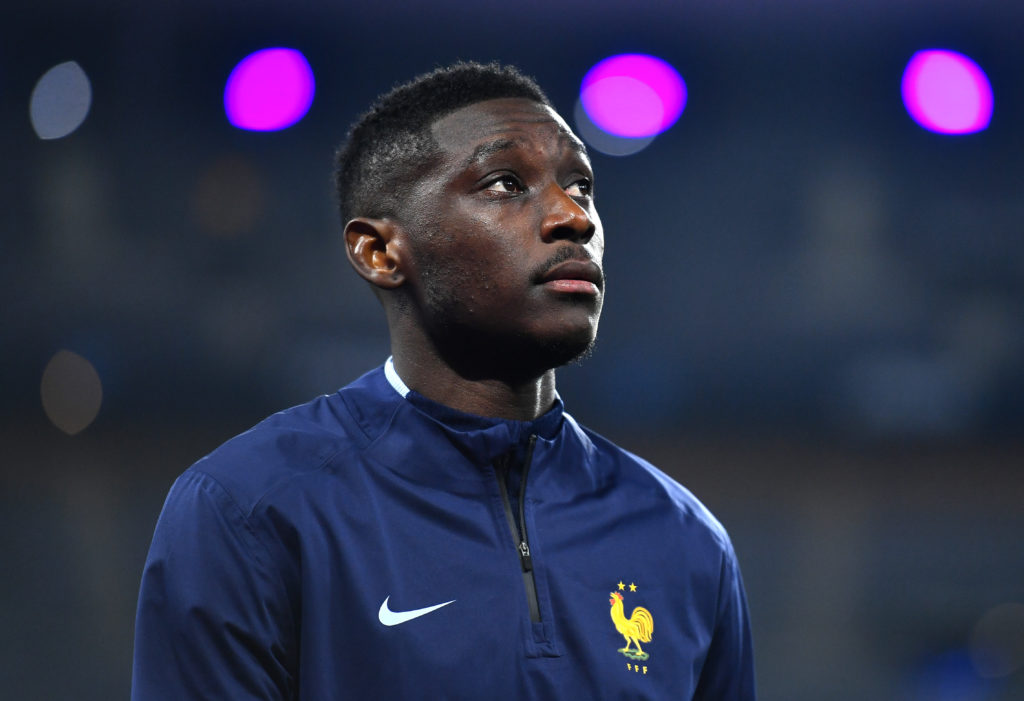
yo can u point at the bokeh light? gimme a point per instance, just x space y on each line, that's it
600 140
71 392
946 92
60 101
269 90
633 95
948 676
997 641
229 197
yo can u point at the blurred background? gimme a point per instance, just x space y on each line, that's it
815 312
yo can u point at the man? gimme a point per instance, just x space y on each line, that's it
441 528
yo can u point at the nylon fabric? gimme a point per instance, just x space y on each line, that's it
273 555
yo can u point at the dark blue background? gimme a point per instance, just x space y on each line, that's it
815 312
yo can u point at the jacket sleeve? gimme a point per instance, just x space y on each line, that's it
728 671
213 619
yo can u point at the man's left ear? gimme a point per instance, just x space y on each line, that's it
374 248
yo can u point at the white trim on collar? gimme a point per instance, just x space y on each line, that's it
393 378
403 389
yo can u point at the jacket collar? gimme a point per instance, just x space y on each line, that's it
403 430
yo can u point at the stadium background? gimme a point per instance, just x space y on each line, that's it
815 313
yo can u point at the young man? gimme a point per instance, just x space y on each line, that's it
441 528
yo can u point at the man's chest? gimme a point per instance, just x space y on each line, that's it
414 594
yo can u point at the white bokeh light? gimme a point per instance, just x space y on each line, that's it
71 391
60 101
600 140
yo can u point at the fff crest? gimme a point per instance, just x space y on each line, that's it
636 629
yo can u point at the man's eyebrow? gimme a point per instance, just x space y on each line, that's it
567 138
576 145
484 151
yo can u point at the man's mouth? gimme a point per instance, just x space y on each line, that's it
575 277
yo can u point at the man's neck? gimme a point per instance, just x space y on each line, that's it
490 396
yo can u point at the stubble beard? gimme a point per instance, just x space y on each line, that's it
486 352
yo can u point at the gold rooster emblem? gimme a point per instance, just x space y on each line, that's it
636 629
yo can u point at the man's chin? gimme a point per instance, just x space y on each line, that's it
527 360
583 355
515 358
570 351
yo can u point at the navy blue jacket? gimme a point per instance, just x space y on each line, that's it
366 545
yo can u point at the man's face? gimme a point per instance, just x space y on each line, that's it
506 242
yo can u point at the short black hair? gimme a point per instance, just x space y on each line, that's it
390 145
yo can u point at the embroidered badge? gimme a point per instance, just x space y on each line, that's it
636 629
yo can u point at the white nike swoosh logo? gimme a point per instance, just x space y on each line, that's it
393 618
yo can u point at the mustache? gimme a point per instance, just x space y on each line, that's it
562 255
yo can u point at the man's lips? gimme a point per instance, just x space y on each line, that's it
577 276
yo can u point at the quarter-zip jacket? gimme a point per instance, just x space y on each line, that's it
370 545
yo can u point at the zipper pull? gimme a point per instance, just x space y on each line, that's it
524 556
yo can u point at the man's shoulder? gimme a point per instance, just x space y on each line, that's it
641 482
296 442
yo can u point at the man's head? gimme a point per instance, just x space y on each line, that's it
390 145
485 246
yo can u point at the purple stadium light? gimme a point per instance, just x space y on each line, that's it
268 90
946 92
633 95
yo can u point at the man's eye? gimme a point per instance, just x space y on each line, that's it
505 183
581 188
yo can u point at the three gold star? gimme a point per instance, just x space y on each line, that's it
632 587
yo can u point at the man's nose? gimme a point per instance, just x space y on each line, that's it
565 218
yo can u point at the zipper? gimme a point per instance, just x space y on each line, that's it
519 536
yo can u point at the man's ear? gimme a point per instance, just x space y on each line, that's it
374 248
